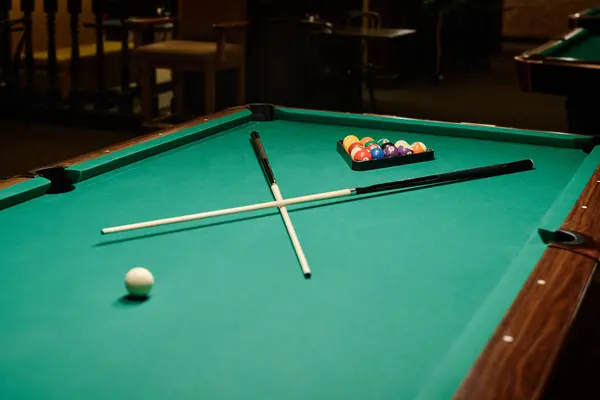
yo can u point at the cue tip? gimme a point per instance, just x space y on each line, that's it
307 275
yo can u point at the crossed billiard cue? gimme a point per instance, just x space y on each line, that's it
281 203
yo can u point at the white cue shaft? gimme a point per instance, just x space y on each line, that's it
234 210
291 231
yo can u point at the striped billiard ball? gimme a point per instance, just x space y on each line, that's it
381 142
370 143
362 155
418 147
366 140
354 146
403 151
402 143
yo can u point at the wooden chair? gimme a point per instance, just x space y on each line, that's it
210 37
371 20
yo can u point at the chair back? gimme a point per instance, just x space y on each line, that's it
369 19
195 18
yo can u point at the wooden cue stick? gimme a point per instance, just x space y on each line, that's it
266 167
448 177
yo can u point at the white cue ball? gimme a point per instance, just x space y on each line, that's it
139 281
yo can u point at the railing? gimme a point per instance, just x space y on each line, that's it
119 19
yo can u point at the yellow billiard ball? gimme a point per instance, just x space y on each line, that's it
402 143
348 140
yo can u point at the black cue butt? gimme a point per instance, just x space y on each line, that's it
466 174
262 157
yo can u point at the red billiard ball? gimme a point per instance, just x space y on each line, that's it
362 155
354 146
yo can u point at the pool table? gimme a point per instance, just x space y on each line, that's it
464 290
588 18
568 67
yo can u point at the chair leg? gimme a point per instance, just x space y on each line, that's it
146 91
371 87
178 93
210 91
241 85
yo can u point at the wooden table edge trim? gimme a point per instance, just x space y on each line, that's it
518 359
147 137
11 181
15 180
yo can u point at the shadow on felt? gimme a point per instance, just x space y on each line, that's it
129 301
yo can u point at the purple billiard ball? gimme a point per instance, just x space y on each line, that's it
390 151
403 151
377 153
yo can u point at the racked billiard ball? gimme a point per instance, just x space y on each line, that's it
365 140
381 142
362 155
369 143
389 151
402 143
356 150
348 140
418 147
403 151
373 146
354 146
377 153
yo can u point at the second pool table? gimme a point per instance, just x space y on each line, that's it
588 18
567 67
428 293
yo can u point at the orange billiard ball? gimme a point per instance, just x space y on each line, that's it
418 147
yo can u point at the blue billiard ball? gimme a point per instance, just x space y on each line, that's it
403 151
377 153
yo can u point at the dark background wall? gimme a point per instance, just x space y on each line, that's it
470 34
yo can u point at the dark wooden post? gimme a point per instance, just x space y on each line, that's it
27 7
5 45
99 10
51 8
74 9
126 98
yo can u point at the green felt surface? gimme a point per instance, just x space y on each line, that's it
584 45
594 11
406 287
23 191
